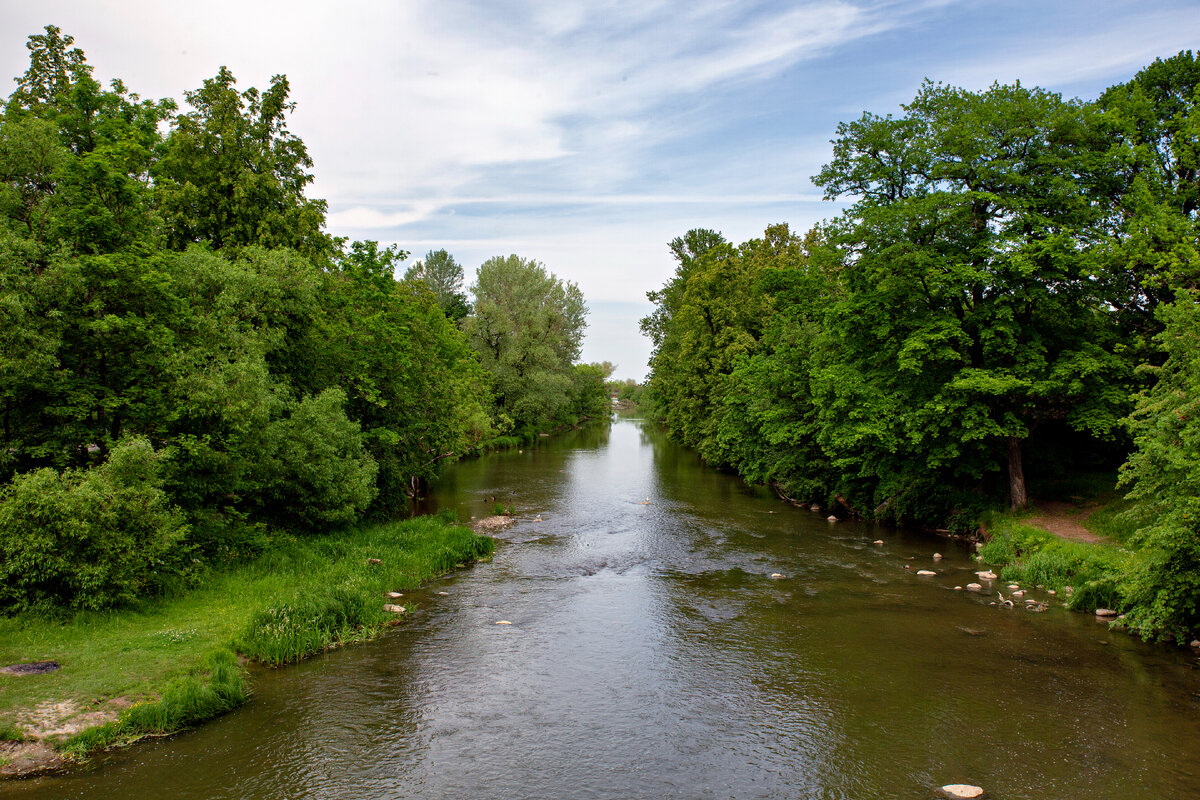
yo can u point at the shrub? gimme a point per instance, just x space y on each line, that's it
88 539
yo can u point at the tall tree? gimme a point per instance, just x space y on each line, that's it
444 277
232 174
527 328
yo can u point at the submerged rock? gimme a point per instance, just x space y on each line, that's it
962 790
926 572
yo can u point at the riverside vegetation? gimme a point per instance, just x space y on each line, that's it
1012 299
204 395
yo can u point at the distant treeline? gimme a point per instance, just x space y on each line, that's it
189 362
1012 295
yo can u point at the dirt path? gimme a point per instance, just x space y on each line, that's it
1065 520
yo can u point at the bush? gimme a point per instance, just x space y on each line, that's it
88 539
317 474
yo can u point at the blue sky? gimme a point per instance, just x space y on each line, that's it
588 135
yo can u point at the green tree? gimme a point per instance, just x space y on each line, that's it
973 315
444 277
527 328
232 174
1163 476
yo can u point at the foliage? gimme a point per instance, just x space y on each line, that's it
527 329
1163 477
88 539
444 277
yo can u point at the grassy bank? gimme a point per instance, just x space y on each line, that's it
171 663
1087 575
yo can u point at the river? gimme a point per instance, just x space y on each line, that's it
651 655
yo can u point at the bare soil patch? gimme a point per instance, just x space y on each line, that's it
1065 520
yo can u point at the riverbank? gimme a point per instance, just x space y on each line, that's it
163 666
1076 549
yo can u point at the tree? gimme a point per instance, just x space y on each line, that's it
527 328
973 315
1163 476
444 277
231 173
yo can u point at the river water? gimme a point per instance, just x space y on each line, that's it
651 655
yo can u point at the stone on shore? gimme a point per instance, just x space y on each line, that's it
394 609
1105 612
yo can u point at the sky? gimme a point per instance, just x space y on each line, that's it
588 135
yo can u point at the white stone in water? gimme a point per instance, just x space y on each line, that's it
831 518
962 790
958 588
1195 643
878 541
1013 586
814 507
503 622
987 575
974 587
443 594
776 575
394 595
926 572
1105 612
937 556
1019 593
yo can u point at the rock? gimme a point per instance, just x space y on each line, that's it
1019 593
937 556
1195 643
974 587
776 575
1105 612
978 546
394 609
503 622
831 518
394 595
374 561
1051 591
962 790
31 668
814 507
958 588
442 594
878 541
987 575
926 572
1014 586
1068 589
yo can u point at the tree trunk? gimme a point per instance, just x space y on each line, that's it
1016 474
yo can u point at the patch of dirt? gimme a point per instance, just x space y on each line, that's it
1065 520
47 722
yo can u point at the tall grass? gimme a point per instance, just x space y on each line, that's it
1033 556
213 688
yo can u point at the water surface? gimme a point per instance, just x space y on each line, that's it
652 655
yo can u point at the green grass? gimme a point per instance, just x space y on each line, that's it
1030 555
178 654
